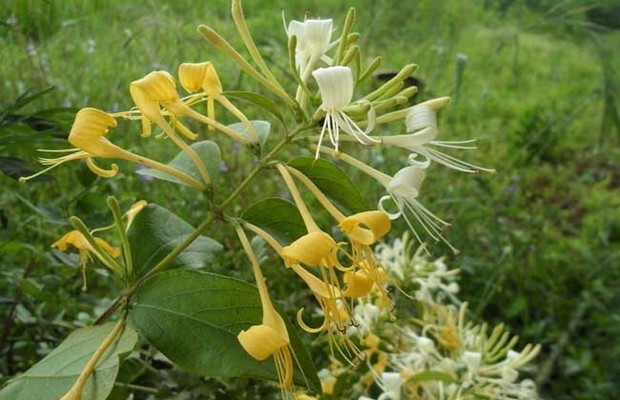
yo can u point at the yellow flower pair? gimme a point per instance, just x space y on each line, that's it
158 101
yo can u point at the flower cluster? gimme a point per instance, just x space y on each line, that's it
437 354
337 262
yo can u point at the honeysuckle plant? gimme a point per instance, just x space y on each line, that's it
216 325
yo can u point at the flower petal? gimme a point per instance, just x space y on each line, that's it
261 341
335 85
310 249
366 227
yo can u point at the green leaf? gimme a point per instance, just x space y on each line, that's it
155 232
432 376
194 317
258 99
262 129
52 377
50 212
278 217
207 150
15 168
333 182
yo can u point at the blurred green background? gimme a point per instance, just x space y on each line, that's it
536 82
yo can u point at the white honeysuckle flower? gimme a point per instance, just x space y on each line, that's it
509 374
313 40
512 356
403 189
526 390
336 88
472 359
365 316
392 257
421 124
390 383
425 345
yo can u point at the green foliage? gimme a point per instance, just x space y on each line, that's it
51 378
538 241
156 231
332 181
278 217
194 318
209 154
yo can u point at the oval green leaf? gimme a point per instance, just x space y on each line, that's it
156 231
194 317
262 129
53 376
278 217
333 182
207 150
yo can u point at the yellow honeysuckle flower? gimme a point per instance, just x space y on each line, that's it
157 90
366 227
77 240
327 296
314 249
271 337
88 136
359 283
336 315
134 210
203 76
403 189
363 229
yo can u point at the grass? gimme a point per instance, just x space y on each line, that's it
539 240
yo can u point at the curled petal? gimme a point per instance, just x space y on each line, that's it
211 83
105 173
192 76
421 117
366 227
73 238
156 87
77 240
88 131
134 210
335 85
359 283
310 249
261 341
407 182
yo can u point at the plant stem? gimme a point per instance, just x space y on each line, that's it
165 262
76 390
121 229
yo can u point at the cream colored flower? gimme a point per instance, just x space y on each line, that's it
421 124
336 88
313 41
